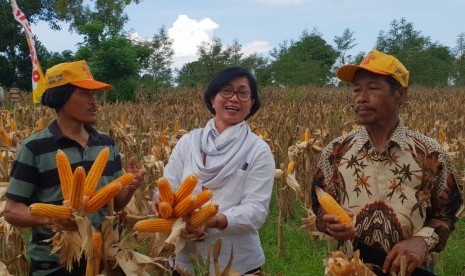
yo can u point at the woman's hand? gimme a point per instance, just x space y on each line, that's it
337 230
194 234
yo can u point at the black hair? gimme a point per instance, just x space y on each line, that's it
57 97
222 79
394 84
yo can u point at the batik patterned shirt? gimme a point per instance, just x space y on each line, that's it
408 189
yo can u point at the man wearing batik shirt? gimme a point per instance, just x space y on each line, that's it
396 183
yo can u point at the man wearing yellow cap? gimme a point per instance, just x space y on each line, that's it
396 183
34 178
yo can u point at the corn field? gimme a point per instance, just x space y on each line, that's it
296 123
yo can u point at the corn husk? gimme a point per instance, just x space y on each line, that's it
71 245
120 253
338 264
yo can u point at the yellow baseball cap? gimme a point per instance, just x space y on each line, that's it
378 63
76 73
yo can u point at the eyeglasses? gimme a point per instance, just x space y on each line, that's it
228 93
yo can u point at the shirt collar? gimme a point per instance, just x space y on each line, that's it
399 137
57 134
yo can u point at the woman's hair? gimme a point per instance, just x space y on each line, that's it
57 97
224 78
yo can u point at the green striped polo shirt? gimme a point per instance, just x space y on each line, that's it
34 176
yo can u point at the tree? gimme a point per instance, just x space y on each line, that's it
112 56
307 61
159 62
459 51
52 58
212 59
15 63
187 74
107 19
259 66
344 43
428 63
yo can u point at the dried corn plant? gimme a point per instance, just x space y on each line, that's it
120 251
12 245
202 267
150 130
339 264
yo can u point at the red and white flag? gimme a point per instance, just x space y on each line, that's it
38 84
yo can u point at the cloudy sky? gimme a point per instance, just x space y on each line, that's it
260 25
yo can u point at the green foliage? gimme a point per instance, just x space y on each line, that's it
115 59
102 27
258 65
148 89
54 58
459 51
429 64
7 72
307 61
187 75
160 59
344 43
213 57
123 90
450 261
302 255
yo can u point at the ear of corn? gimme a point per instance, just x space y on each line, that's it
96 171
290 167
266 135
331 207
165 209
65 174
79 178
307 135
154 225
102 197
97 250
203 197
157 152
122 121
12 125
205 213
125 179
4 137
176 125
166 193
50 211
186 206
186 187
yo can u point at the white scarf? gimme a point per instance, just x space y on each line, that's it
230 146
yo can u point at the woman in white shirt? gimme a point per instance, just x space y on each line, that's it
236 165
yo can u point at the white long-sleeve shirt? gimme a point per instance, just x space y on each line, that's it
244 200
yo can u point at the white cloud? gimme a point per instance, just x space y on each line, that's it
281 2
256 46
188 34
